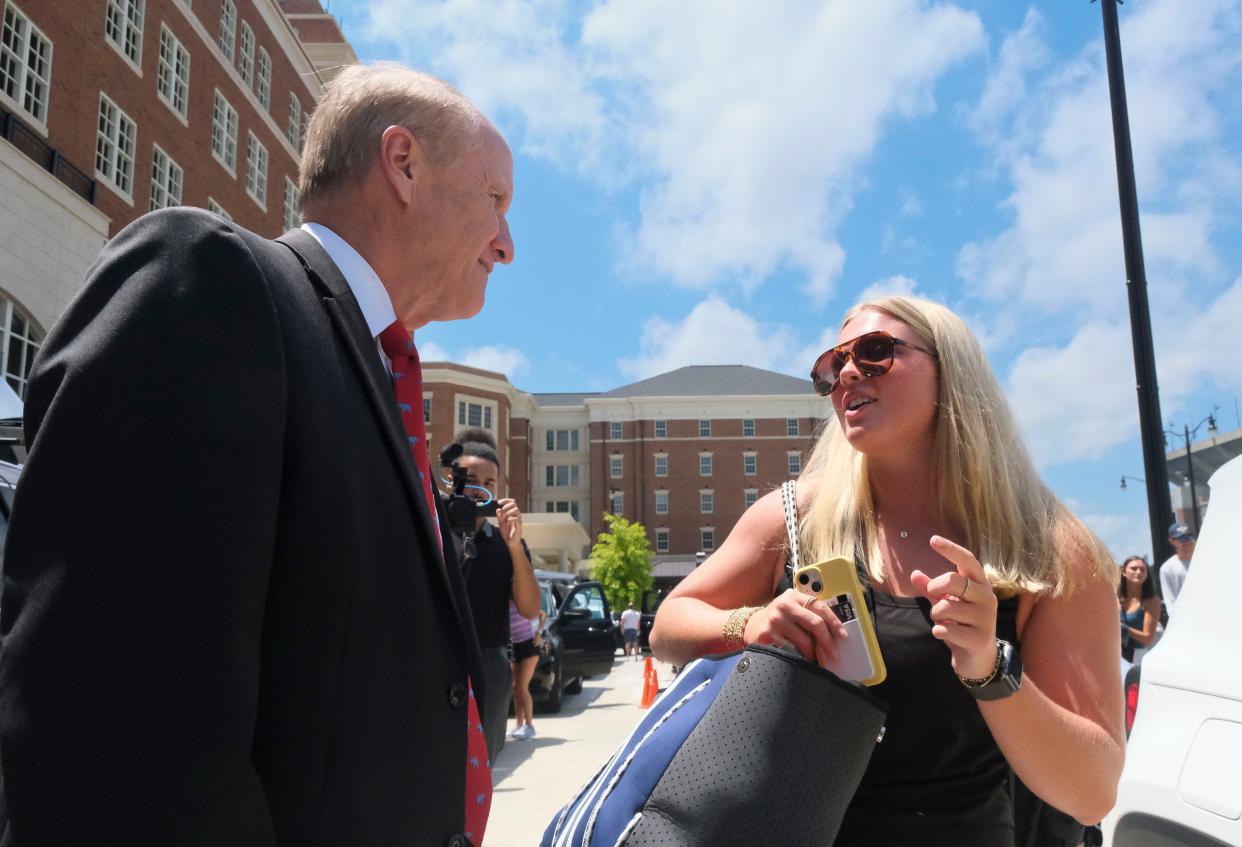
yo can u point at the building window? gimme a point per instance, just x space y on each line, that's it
20 341
615 430
795 462
256 171
295 122
791 426
562 507
166 181
661 464
228 27
661 502
263 81
661 545
562 439
25 64
705 464
618 503
705 429
426 410
707 502
245 54
748 427
123 28
616 466
474 414
750 464
707 539
661 429
561 476
115 141
172 77
293 200
213 206
224 133
749 496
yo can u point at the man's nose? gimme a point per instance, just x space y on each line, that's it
502 244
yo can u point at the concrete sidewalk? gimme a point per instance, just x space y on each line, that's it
535 778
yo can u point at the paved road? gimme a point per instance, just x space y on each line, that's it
535 778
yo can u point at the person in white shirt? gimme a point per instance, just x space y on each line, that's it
1173 571
630 620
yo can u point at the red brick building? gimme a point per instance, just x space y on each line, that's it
112 108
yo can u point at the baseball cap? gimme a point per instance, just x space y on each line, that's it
1181 532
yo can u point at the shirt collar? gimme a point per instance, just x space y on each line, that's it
363 281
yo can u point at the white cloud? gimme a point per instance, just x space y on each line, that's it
714 333
1124 534
429 351
911 205
749 130
502 360
889 286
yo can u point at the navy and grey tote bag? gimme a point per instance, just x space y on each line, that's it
755 747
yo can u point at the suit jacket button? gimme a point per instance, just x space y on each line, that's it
457 695
458 841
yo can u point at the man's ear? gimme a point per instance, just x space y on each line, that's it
402 161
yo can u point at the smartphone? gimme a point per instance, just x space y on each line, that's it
836 583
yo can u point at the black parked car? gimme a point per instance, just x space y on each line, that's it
578 638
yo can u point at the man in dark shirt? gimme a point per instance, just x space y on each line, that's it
497 569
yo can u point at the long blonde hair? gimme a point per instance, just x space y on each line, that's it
986 485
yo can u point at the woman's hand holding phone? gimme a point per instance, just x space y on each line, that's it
798 619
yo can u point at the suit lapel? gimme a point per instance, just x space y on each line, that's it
347 319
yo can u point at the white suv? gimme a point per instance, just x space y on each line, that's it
1182 783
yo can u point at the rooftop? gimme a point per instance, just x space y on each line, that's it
713 381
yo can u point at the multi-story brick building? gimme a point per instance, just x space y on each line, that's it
684 453
112 108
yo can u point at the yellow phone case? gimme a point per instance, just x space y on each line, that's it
836 582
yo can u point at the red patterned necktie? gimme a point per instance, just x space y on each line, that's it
407 382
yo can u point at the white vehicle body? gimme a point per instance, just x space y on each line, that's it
1182 783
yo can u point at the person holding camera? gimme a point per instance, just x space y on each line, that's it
497 568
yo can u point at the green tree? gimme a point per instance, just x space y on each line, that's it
621 561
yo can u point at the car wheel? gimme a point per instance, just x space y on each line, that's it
574 687
553 702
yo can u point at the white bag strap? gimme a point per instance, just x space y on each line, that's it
790 500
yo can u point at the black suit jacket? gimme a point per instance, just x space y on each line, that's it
225 617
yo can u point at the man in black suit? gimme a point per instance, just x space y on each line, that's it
226 616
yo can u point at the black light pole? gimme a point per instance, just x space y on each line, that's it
1159 507
1187 432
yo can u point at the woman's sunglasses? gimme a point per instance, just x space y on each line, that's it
872 353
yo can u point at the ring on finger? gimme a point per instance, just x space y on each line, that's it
965 590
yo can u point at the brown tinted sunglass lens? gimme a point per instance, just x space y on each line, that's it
873 354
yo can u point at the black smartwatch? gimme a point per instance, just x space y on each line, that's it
1005 679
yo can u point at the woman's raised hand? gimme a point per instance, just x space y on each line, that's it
963 609
798 619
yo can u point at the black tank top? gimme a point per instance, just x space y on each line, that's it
938 777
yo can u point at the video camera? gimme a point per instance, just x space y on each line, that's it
463 510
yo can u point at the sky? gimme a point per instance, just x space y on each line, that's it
717 182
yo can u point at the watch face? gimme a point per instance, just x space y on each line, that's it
1008 677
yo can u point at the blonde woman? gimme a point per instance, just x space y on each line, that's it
995 608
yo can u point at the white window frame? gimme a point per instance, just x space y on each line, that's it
792 427
256 170
245 54
661 539
427 406
616 504
224 133
28 338
116 148
172 74
705 428
660 459
753 458
616 466
167 180
661 429
749 497
263 79
706 469
748 427
616 430
294 131
31 87
489 414
228 28
707 544
123 23
793 461
216 208
661 499
707 501
292 205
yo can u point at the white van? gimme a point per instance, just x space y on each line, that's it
1182 783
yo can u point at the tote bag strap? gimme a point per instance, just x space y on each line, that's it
790 501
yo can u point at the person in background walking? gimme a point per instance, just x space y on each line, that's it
630 622
526 636
1140 608
1173 571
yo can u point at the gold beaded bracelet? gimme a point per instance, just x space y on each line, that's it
735 625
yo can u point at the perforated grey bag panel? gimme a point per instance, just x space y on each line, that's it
775 760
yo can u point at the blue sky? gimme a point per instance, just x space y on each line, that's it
716 182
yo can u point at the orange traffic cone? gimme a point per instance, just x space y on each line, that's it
651 684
